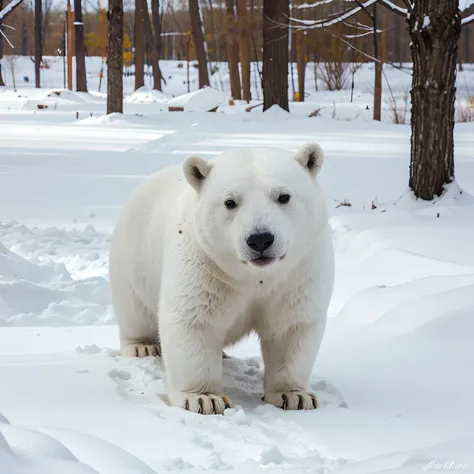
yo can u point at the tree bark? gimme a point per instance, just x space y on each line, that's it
275 53
300 62
377 68
466 44
434 27
156 28
244 48
115 57
2 83
81 80
198 40
139 43
232 58
38 41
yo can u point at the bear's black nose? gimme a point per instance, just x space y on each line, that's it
260 242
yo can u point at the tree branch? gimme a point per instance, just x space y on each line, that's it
304 6
395 8
340 17
467 20
9 8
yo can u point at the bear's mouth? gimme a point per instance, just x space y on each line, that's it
262 261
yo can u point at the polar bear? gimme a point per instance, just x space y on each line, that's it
207 252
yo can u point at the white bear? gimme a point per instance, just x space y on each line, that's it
213 250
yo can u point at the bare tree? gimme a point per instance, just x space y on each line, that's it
244 48
434 27
47 6
156 31
115 57
232 51
275 53
4 12
378 65
11 61
434 48
81 80
150 39
198 40
301 63
139 43
38 41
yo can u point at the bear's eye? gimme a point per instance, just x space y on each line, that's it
230 204
284 198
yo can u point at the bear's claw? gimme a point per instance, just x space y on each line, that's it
139 349
207 404
297 400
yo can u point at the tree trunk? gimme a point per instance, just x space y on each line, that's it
38 41
198 41
46 22
156 28
244 48
2 83
139 43
377 67
434 27
115 57
275 53
232 58
24 40
150 39
81 81
300 62
466 44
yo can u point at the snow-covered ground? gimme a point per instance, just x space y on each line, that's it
395 369
396 84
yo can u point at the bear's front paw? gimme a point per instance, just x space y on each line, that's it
296 400
138 349
203 403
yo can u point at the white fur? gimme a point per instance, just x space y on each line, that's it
179 260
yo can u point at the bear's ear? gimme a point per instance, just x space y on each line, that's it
311 157
196 170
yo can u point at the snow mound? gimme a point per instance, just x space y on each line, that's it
202 100
14 268
346 112
144 95
275 111
36 287
57 451
116 119
413 306
7 94
452 195
444 457
11 100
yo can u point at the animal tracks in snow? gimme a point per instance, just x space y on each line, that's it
262 434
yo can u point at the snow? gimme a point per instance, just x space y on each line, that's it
202 100
394 375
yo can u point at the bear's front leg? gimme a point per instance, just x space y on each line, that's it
289 358
192 354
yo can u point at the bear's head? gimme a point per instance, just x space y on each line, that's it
259 208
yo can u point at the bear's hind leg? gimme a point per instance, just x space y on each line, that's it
138 325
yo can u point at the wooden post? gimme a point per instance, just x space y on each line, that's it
70 45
